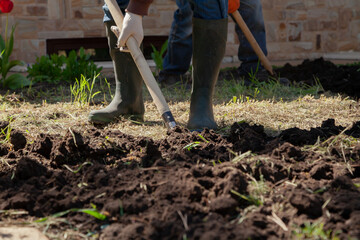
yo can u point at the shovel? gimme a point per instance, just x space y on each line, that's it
144 68
263 59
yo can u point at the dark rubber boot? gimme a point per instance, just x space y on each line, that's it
209 42
128 100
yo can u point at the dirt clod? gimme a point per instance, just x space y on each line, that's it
17 139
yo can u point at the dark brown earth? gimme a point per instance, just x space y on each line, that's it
243 185
343 79
339 79
164 190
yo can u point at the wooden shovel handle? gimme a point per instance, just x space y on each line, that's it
143 67
263 59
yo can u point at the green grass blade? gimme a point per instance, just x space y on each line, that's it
94 213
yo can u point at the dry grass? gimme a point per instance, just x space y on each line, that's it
303 112
276 107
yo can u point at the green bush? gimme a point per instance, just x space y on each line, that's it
47 69
55 68
157 56
15 80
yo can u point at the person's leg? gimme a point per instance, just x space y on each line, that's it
127 101
178 56
209 42
251 12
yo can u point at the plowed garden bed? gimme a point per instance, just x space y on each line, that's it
241 184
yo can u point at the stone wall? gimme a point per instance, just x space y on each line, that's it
295 29
307 29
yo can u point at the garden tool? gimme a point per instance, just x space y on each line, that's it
249 36
143 68
209 42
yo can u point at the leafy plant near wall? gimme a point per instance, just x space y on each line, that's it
55 68
47 69
16 80
78 65
157 56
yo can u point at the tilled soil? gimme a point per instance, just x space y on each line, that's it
246 185
337 79
343 79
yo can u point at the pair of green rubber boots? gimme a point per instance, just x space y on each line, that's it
209 42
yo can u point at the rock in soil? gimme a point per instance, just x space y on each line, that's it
23 233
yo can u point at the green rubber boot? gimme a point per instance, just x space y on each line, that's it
209 42
128 101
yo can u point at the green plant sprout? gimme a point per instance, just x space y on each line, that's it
121 208
5 133
107 84
82 90
91 211
233 100
314 231
251 199
195 144
157 56
203 138
191 145
252 73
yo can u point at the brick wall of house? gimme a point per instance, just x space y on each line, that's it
309 28
296 29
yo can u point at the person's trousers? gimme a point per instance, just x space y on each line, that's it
179 52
